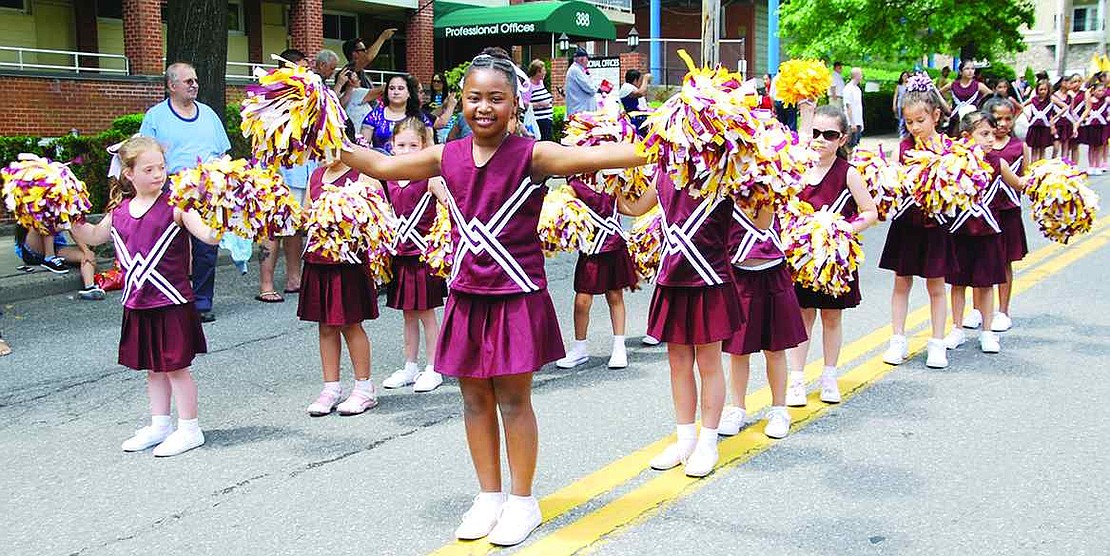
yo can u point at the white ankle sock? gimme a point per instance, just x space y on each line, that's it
429 369
188 424
797 376
364 385
161 421
707 437
411 367
687 435
333 387
830 371
523 500
579 346
618 341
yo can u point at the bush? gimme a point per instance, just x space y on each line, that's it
88 154
558 122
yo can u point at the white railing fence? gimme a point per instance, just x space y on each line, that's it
41 59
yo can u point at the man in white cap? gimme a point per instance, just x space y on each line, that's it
580 90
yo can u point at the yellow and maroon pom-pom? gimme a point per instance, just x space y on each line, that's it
43 195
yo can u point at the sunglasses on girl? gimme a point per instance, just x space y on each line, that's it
828 134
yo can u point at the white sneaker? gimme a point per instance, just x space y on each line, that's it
703 459
830 389
649 340
973 320
427 381
732 420
671 457
574 358
1001 322
796 389
778 423
325 403
937 357
988 342
619 358
896 351
479 520
358 402
955 338
179 442
146 437
401 377
519 517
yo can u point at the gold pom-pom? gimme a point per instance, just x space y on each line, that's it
800 80
884 179
238 197
645 243
609 124
823 251
948 177
565 223
440 252
292 116
43 195
1063 205
352 223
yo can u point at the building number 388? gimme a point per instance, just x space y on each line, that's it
582 19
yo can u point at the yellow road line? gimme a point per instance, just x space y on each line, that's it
655 494
628 467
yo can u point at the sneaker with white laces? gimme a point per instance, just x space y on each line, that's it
427 380
704 458
955 338
937 354
732 420
796 389
91 293
479 520
897 351
575 357
1001 322
973 319
146 437
325 403
402 377
649 340
830 389
778 423
55 264
358 402
988 342
619 358
520 515
671 456
182 440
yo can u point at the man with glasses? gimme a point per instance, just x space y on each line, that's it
359 58
189 131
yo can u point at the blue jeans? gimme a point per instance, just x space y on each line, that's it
204 274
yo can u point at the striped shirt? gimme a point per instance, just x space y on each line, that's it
541 94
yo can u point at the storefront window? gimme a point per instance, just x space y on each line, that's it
339 26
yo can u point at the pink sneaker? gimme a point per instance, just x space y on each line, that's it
358 402
325 403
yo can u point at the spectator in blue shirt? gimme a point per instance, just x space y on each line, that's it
190 132
580 90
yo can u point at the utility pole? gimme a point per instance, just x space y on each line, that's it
1101 27
710 32
1063 20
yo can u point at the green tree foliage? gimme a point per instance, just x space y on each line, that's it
904 29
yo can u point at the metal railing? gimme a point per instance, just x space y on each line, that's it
379 77
37 59
244 70
671 67
615 5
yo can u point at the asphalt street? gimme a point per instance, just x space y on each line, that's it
1002 454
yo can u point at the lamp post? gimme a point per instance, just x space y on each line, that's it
564 43
633 39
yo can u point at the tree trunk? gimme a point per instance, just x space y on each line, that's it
196 32
969 51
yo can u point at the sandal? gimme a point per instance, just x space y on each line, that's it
269 297
5 349
293 290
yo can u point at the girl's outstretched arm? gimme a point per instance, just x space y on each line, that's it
196 226
419 165
553 159
89 234
637 207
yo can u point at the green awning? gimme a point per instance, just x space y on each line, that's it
576 19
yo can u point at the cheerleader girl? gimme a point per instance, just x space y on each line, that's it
339 295
1093 132
161 330
1044 112
977 247
917 244
1067 126
832 184
604 268
967 92
415 290
499 325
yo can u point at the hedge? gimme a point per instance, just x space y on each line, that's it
88 154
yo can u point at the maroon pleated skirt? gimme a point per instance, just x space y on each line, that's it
1093 135
980 261
603 272
770 311
414 287
485 336
812 299
693 315
337 294
1039 136
913 250
1015 246
1064 129
162 339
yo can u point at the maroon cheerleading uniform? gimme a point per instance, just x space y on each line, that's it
606 264
499 319
962 96
1094 131
161 328
833 194
694 300
1039 134
335 293
772 318
1069 119
414 287
916 243
977 247
1006 202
